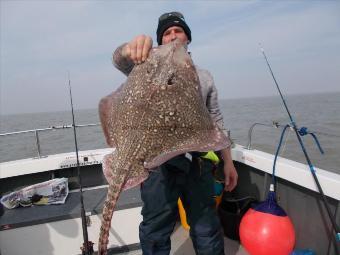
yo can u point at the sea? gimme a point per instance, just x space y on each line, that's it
319 113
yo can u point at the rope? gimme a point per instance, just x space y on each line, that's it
284 145
277 153
304 131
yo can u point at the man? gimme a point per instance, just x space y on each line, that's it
189 178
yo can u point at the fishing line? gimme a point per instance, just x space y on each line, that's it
311 167
87 248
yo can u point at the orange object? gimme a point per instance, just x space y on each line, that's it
218 200
267 234
183 215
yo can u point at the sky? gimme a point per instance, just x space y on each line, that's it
41 41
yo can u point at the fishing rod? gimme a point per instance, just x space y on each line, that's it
311 167
87 248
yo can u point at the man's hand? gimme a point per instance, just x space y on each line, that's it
230 172
138 48
231 176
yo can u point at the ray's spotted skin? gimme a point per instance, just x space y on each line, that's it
157 114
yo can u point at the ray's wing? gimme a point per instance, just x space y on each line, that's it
108 115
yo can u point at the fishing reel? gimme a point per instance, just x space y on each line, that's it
89 250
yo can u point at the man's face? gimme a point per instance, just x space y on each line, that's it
173 33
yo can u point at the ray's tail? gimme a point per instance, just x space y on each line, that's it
113 192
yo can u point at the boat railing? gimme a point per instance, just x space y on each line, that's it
276 125
251 129
36 132
51 128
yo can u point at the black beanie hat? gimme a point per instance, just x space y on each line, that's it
171 19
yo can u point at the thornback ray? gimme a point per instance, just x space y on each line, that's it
157 114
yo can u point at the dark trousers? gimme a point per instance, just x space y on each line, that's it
194 184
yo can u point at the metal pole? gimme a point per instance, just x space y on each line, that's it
37 143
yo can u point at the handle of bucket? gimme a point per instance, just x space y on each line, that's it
238 200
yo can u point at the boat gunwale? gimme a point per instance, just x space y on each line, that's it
286 169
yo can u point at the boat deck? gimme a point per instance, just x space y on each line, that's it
181 245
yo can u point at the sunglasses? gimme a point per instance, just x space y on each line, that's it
169 14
